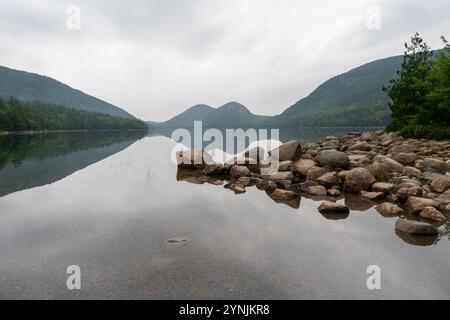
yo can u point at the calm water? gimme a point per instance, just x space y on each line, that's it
110 203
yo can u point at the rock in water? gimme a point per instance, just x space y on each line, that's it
414 205
333 158
359 179
214 169
285 175
332 207
193 159
317 190
290 150
372 195
239 171
389 209
280 194
415 227
431 213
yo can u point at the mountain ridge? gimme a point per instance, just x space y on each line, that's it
351 99
28 87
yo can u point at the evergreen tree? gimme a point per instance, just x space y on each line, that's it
408 92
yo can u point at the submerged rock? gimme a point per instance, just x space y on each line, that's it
193 159
431 213
372 195
415 227
388 209
280 194
333 207
414 205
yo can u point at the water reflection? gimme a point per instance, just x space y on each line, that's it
36 160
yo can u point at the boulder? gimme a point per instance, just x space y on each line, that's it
239 171
328 179
193 159
415 227
256 153
412 172
434 165
372 195
383 187
267 185
342 175
414 205
334 192
403 148
404 193
214 169
431 213
379 171
286 165
290 150
305 185
284 175
333 207
333 158
430 175
315 172
441 184
359 179
238 189
407 159
317 191
445 197
302 166
388 209
368 136
280 194
361 146
393 165
331 145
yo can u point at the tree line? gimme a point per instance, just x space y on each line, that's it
420 95
16 115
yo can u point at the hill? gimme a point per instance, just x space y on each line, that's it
230 115
27 86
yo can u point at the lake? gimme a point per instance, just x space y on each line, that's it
112 205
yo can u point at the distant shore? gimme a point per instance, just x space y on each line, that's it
35 132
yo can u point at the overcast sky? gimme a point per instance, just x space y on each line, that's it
155 58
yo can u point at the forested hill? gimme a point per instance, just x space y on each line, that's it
27 86
17 115
351 99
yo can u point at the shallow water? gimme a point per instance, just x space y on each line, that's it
109 206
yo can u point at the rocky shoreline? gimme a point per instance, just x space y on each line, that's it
408 178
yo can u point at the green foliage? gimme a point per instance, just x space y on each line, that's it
420 96
16 115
